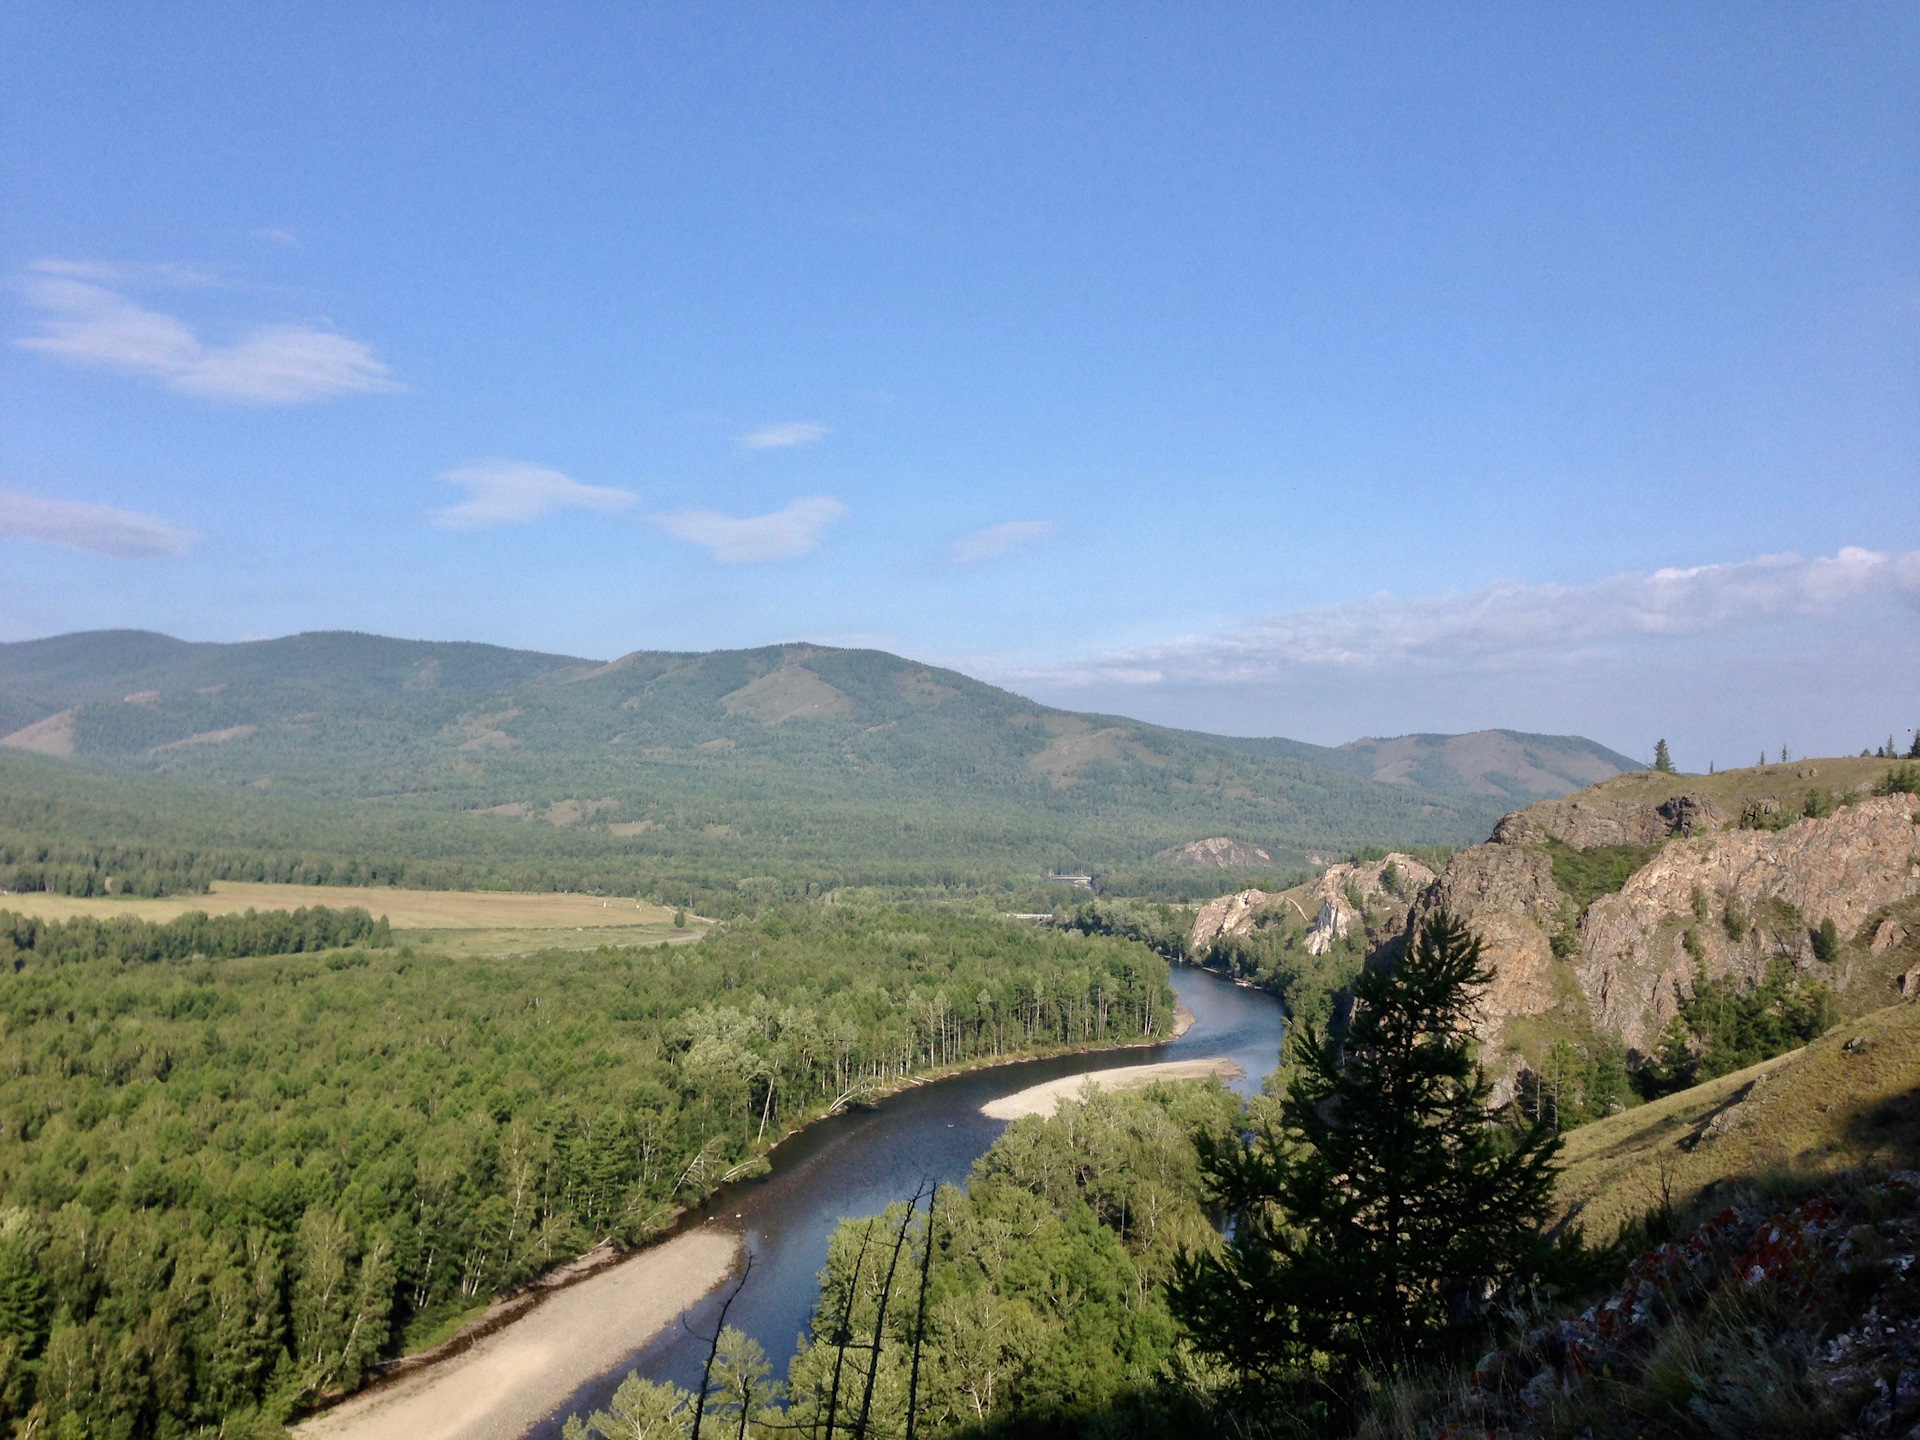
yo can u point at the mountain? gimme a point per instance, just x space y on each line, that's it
774 755
1503 764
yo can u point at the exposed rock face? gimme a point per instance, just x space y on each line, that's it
1229 915
1506 895
1387 887
1584 821
1219 853
1633 964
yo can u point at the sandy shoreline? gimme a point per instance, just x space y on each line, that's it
506 1382
499 1385
1043 1099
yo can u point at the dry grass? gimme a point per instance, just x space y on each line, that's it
1731 789
405 909
1818 1109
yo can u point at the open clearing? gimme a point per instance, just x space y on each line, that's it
1044 1099
404 909
509 1380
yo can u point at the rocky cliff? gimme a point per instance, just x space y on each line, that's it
1386 888
1716 891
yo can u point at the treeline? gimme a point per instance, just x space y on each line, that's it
25 940
721 853
228 1187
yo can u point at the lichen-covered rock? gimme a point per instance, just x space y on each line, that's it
1634 963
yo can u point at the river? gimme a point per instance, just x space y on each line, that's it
860 1162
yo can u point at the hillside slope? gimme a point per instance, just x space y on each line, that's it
1598 911
1497 764
793 749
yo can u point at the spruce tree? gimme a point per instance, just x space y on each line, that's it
1662 758
1381 1210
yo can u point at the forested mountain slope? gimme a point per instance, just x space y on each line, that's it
778 754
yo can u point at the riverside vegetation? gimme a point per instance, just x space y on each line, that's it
229 1186
1387 1223
1078 1284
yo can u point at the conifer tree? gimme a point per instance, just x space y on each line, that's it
1662 758
1381 1211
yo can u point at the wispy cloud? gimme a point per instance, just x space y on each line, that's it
509 492
1508 625
997 540
788 435
276 235
783 535
88 319
98 528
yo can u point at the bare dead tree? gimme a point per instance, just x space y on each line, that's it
843 1336
920 1324
880 1316
719 1329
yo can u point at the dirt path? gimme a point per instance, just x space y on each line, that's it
1043 1099
513 1378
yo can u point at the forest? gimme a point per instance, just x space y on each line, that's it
229 1186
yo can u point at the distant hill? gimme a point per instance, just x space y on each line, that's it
771 755
1498 764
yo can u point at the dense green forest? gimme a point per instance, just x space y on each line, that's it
228 1186
29 942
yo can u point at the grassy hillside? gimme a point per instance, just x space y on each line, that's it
1850 1099
748 761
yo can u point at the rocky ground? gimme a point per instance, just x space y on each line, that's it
1765 1319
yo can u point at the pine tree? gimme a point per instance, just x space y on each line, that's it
1380 1211
1662 758
1913 750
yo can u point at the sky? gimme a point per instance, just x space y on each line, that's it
1313 370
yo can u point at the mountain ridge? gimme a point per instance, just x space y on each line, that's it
713 741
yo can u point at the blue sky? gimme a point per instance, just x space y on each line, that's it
1301 370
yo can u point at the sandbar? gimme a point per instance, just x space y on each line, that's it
508 1381
1045 1099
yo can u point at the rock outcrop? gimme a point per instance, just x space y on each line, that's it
1386 887
1230 915
1713 900
1219 853
1634 963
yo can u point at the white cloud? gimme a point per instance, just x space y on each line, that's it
99 528
785 436
87 321
1508 625
997 540
783 535
276 235
508 492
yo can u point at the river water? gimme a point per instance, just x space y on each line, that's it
860 1162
